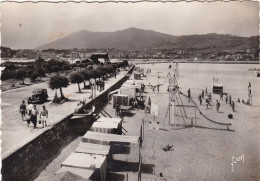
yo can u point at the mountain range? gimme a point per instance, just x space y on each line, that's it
136 39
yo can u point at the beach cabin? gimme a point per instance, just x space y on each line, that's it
89 148
71 173
86 163
129 90
105 127
107 139
118 121
120 99
137 76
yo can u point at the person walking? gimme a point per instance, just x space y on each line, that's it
218 106
30 107
210 97
233 106
34 114
153 89
23 110
44 116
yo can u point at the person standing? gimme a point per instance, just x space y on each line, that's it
158 88
44 116
202 94
233 106
117 109
206 91
153 90
226 99
221 96
23 109
34 114
230 100
200 99
189 95
218 106
249 89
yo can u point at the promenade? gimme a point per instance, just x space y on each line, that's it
15 132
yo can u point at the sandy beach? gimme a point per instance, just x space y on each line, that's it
197 153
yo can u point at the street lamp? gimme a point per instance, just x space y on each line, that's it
92 81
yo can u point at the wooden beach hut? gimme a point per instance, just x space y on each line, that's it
89 148
120 99
106 139
105 127
85 174
137 76
119 121
96 163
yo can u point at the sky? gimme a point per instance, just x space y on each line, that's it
29 25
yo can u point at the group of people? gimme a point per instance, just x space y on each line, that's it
30 114
208 97
158 88
100 85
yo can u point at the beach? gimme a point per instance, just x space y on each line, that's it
204 151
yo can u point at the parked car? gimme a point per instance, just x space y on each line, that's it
38 96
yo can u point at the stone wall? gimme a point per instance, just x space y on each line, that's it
26 163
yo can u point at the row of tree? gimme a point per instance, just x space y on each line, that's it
78 77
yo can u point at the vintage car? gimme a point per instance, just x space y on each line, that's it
38 96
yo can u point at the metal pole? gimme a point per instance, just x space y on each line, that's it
195 117
92 91
169 107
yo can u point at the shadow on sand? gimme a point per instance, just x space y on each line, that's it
124 166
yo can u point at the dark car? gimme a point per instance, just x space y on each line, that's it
38 96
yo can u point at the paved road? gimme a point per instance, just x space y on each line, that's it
15 132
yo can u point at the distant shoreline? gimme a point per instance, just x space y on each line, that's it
185 61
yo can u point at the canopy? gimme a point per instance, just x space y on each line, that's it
84 173
90 148
104 127
87 161
114 120
103 138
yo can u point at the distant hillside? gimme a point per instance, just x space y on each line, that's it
134 39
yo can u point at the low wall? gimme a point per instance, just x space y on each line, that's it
27 162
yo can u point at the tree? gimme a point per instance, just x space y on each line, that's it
41 72
34 76
87 75
57 82
96 74
20 74
76 78
66 67
55 68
